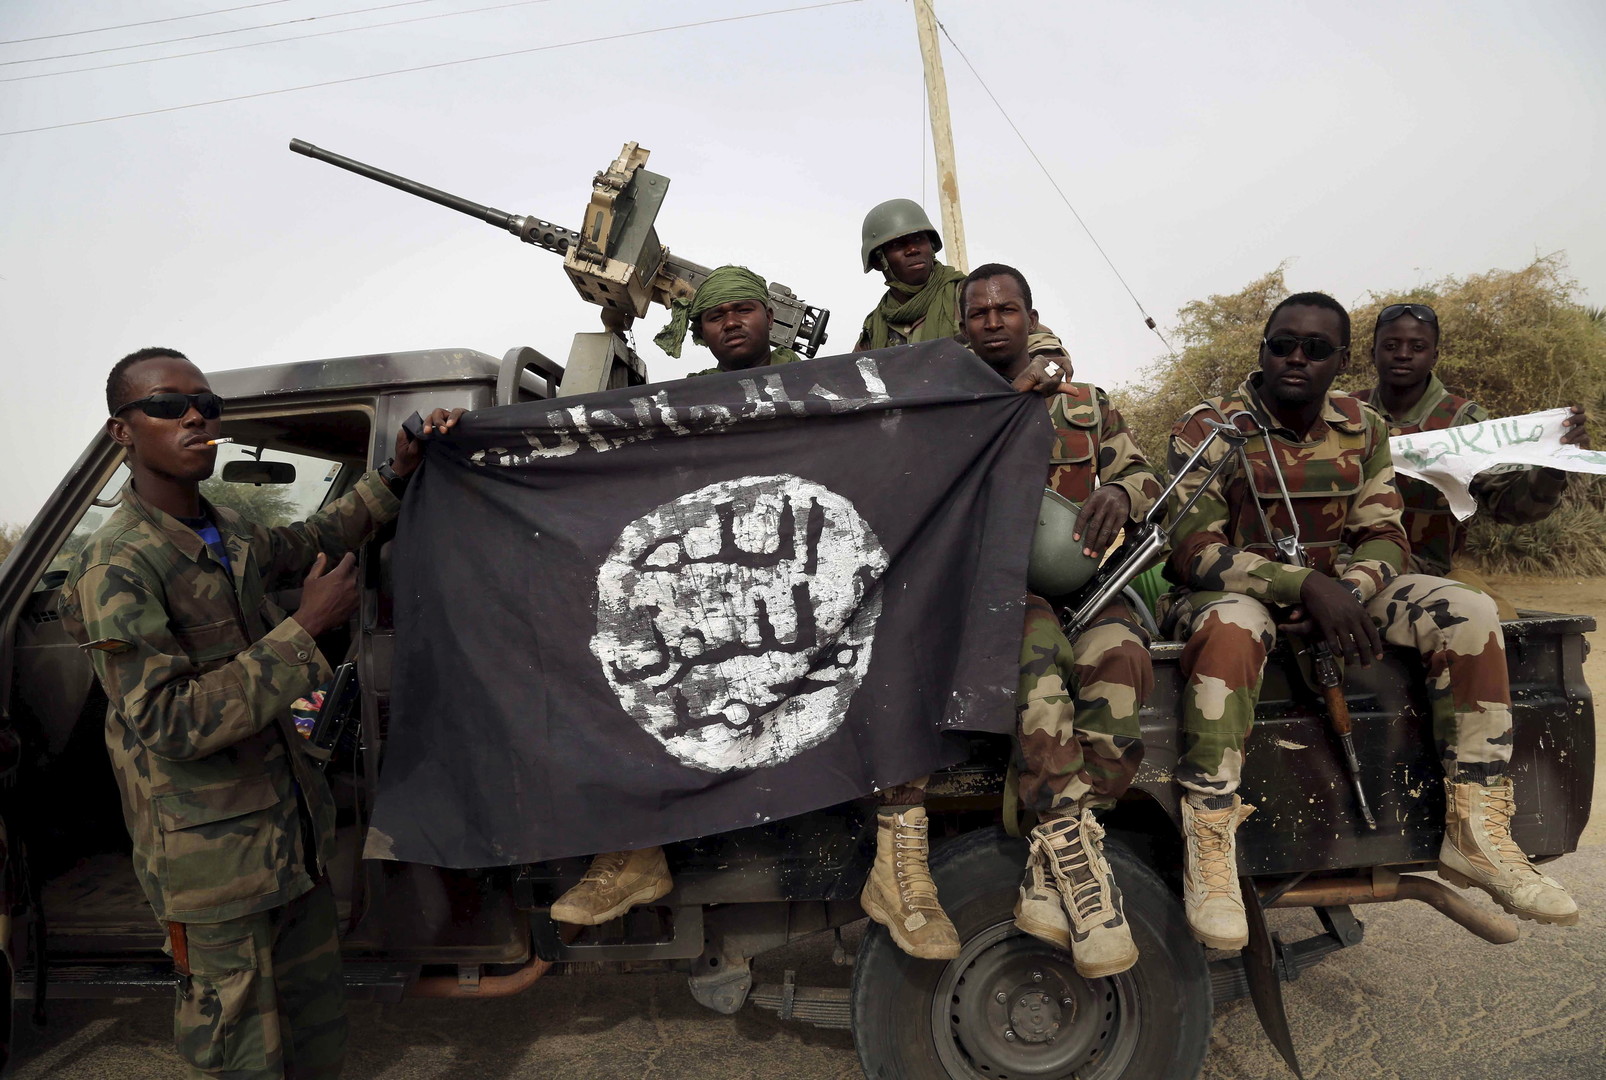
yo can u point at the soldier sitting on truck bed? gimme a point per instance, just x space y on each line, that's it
1235 595
922 301
1077 702
1405 347
731 314
232 822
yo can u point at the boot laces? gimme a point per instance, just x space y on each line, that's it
1071 852
1499 805
605 867
910 845
1215 841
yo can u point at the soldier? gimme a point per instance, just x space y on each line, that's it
1078 702
232 823
1235 595
732 315
1405 348
922 299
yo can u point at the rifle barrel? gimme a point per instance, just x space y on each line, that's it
500 218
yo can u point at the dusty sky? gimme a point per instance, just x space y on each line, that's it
1371 145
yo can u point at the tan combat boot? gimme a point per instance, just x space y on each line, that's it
616 882
1072 851
900 894
1211 898
1478 850
1039 911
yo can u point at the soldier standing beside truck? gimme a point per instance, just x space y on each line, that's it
1333 454
1405 348
1077 701
232 823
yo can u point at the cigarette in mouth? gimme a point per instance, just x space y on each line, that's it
218 442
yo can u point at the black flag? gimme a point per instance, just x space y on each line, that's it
662 612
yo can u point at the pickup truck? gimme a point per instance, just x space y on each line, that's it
1009 1006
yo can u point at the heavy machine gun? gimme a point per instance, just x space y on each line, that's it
615 261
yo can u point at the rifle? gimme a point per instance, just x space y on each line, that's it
1135 555
336 714
1324 666
615 260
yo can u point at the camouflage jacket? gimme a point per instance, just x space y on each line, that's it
1340 478
1091 441
1517 497
200 672
777 356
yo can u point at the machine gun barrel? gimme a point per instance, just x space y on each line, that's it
543 234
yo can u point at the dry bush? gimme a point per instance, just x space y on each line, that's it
1514 341
9 535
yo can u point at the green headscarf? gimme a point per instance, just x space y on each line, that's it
724 286
937 302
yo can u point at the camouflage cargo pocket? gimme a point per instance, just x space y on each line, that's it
218 845
217 1023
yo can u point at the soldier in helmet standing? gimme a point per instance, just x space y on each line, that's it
922 301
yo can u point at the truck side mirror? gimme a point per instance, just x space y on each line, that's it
259 472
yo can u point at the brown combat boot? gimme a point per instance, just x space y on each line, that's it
1478 850
1039 911
1073 853
616 882
900 894
1210 894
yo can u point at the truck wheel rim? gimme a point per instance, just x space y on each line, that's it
1011 1007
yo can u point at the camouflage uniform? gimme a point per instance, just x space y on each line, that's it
1341 478
777 356
1517 497
1078 702
232 822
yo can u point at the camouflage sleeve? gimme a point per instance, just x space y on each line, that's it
1373 527
287 551
1202 554
1122 463
151 681
1517 496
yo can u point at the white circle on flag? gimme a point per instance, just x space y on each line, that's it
735 623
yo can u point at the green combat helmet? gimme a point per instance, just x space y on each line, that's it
1057 568
892 219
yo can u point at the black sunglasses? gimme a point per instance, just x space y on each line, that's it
174 405
1416 311
1315 348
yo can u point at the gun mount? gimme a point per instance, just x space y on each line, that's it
615 261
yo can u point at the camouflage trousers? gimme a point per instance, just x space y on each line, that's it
1077 708
264 998
1455 628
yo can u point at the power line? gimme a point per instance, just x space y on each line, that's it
432 67
1148 319
274 41
147 22
218 33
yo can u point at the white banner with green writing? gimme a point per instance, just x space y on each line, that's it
1450 457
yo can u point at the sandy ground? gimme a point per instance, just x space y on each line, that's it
1420 998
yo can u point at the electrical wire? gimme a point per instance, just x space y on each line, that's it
1148 320
147 22
433 67
219 33
274 41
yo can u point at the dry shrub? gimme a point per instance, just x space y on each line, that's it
1515 341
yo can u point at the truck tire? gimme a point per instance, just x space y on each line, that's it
922 1019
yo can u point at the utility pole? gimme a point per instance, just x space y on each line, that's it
942 137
